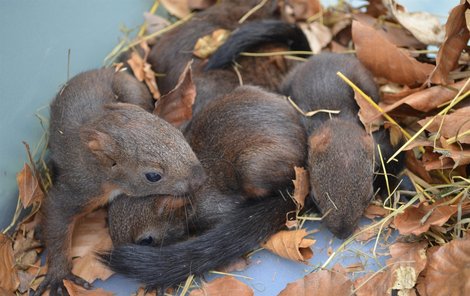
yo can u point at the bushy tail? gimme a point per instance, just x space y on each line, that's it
240 233
257 33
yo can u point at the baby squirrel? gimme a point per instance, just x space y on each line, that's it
249 142
99 149
173 50
341 157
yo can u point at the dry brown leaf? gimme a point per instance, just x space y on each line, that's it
376 8
417 219
75 290
28 187
407 261
207 45
451 125
8 275
176 107
416 166
367 232
91 235
304 9
90 268
455 152
143 70
24 248
368 114
178 8
393 33
457 36
318 35
374 211
301 186
390 62
430 98
90 231
467 18
155 22
323 282
291 244
227 286
447 271
423 25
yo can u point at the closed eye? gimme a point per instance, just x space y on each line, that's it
145 241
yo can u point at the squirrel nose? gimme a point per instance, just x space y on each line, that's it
197 177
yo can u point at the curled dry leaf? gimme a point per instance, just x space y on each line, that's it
304 9
323 282
28 187
9 280
374 211
390 62
301 186
176 107
368 114
429 99
423 25
24 248
393 33
155 22
366 233
416 166
142 70
178 8
447 271
451 125
318 35
207 45
90 235
376 8
291 244
417 219
407 261
75 290
457 36
227 286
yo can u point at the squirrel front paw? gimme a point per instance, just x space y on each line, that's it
56 284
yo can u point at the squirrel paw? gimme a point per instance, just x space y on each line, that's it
57 287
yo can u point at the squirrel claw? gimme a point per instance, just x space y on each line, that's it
57 287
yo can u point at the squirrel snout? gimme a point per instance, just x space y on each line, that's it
197 177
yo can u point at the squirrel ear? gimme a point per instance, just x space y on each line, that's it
176 107
100 144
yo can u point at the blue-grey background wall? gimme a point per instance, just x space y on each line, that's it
35 38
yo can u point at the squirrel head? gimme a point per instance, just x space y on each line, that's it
141 153
149 220
341 162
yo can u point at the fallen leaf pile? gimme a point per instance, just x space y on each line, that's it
425 104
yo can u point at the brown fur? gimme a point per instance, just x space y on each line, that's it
101 148
341 156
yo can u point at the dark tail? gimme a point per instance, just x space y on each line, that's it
240 233
254 34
